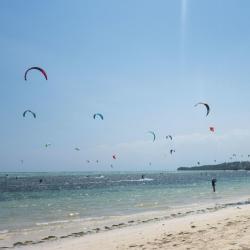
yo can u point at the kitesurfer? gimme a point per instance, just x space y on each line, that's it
213 181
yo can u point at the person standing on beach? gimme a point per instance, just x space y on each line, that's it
213 183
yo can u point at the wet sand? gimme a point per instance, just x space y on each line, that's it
226 228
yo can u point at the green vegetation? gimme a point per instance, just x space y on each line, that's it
243 165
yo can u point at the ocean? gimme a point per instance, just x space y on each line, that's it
36 200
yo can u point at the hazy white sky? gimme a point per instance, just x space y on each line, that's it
142 64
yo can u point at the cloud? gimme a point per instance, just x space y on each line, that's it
190 148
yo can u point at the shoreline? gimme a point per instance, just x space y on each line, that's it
227 228
80 228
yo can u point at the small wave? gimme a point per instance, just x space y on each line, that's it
5 231
73 214
99 177
136 180
147 179
23 206
51 222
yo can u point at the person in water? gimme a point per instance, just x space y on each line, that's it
213 183
142 176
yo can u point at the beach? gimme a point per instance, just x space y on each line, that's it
125 125
227 228
124 211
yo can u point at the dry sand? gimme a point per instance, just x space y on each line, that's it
228 228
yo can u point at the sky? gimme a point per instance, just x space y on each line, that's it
142 64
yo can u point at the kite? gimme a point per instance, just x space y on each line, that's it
36 68
29 111
98 114
172 151
153 134
212 129
205 104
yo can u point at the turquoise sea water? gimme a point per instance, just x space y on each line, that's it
25 201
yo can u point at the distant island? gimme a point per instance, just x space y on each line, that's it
237 165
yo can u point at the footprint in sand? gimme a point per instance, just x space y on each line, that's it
133 246
166 241
201 231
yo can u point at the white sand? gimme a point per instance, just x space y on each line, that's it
227 228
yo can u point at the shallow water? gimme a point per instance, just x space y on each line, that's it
63 197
